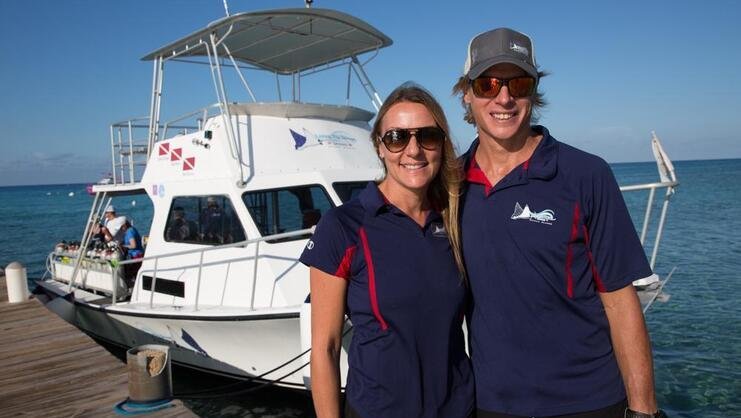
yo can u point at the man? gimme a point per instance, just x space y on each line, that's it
180 228
212 222
556 328
111 225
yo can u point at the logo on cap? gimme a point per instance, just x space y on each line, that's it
519 49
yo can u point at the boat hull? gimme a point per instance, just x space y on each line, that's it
263 348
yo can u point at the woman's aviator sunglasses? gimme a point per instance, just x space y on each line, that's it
429 138
489 87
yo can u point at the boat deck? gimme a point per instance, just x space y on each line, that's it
50 368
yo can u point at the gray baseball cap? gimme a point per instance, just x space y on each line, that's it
501 45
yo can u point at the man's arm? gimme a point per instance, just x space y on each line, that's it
632 347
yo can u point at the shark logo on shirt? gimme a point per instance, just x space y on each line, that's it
438 230
546 216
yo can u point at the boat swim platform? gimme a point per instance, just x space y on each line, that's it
52 369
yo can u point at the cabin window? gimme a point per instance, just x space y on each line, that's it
286 210
209 220
346 190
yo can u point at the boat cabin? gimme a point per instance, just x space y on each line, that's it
236 187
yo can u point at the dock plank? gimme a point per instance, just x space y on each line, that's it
52 369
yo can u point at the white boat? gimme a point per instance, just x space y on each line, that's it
231 299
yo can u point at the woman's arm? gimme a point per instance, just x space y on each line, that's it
327 316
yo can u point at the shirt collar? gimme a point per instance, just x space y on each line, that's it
375 202
541 165
371 198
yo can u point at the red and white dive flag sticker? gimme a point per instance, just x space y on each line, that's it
164 149
189 163
176 154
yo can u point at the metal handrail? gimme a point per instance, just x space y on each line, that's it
200 265
647 186
204 112
128 152
669 185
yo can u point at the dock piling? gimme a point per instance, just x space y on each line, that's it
16 282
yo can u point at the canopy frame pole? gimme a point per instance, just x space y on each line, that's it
224 103
366 83
239 73
155 105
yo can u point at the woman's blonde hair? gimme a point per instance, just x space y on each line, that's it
444 191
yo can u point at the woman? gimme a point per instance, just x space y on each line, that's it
390 257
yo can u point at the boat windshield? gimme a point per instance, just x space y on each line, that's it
346 190
287 209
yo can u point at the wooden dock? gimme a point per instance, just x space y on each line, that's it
50 368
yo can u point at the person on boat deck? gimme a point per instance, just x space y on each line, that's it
390 256
555 325
180 228
132 241
110 228
212 221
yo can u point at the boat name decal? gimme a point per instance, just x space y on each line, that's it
335 139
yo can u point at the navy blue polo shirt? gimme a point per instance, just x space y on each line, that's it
406 303
539 246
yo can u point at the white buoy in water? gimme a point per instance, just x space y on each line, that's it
15 280
48 193
133 203
71 194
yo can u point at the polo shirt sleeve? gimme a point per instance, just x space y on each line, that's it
331 248
616 252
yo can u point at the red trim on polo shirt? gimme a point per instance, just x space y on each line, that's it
526 164
474 174
371 279
570 254
595 274
343 270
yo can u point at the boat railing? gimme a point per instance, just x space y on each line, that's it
652 187
191 121
256 256
130 148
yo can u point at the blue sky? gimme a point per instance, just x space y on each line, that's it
618 71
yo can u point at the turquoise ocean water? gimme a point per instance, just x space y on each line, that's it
696 336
